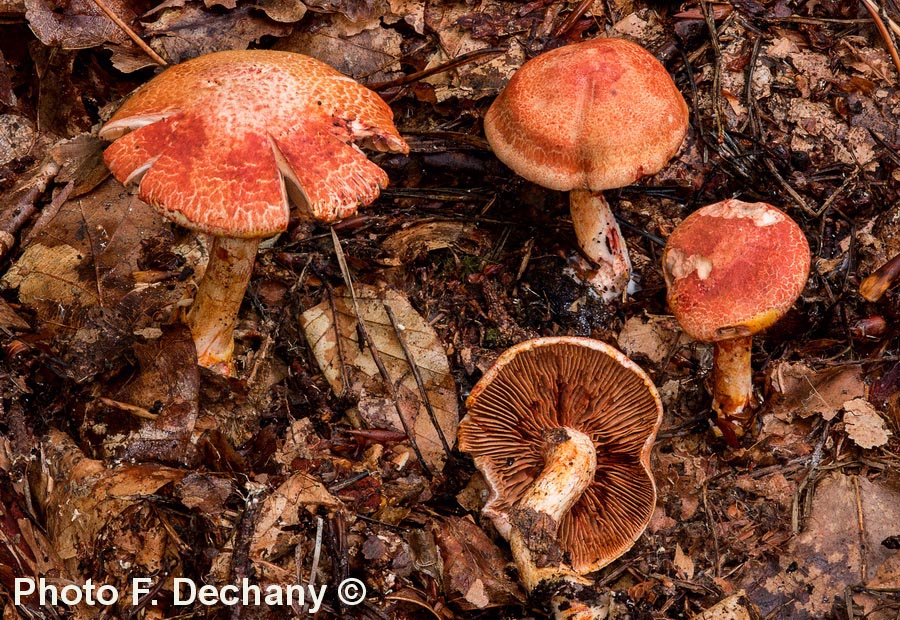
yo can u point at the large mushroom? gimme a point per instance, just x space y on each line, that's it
585 118
733 269
562 429
220 143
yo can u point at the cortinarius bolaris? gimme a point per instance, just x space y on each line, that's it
562 429
585 118
733 269
219 144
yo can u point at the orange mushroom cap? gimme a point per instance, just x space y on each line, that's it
217 139
734 268
583 384
593 115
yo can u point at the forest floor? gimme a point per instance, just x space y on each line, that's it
120 458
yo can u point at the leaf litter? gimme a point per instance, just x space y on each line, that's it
301 464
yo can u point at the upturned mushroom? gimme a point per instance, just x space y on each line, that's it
733 269
219 144
585 118
562 428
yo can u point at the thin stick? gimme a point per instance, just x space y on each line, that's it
376 356
131 34
417 375
23 205
875 12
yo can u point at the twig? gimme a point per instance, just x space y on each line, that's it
338 339
24 205
875 12
376 356
131 33
138 412
243 536
790 190
861 520
317 552
709 17
459 61
712 528
414 367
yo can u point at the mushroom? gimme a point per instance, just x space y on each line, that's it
561 428
219 143
585 118
733 269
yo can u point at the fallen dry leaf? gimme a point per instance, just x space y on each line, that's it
76 24
407 244
88 258
732 608
370 55
810 574
473 566
653 339
805 391
280 514
683 563
864 425
365 381
183 33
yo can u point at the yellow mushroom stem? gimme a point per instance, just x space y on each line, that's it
570 460
214 313
601 240
733 385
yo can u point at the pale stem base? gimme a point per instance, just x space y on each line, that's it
601 240
570 462
214 313
733 383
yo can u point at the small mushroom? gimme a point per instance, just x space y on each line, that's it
733 269
221 142
585 118
562 429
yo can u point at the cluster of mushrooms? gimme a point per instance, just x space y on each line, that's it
561 428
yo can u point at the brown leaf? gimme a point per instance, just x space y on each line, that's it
735 607
17 136
864 425
365 382
474 572
181 34
275 531
407 244
683 563
76 24
370 55
86 257
806 391
828 555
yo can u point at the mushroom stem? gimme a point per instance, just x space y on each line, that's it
570 460
733 386
214 313
601 240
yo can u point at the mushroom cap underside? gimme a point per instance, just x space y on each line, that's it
593 115
734 268
586 385
218 143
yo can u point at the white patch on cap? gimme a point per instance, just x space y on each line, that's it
680 265
759 212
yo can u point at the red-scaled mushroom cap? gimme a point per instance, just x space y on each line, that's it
583 384
222 138
734 268
592 115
